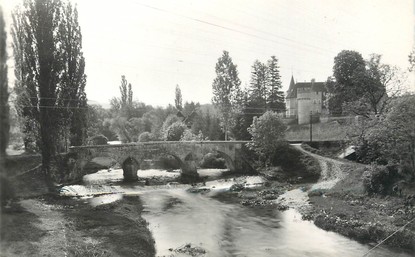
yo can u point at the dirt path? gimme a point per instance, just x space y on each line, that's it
348 210
331 171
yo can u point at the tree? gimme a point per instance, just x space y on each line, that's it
4 94
123 106
268 133
226 91
390 139
178 101
25 86
275 97
99 122
362 87
258 85
145 137
264 93
175 131
349 66
72 93
400 136
49 71
172 118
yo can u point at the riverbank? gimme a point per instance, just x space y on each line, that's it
37 223
338 203
347 210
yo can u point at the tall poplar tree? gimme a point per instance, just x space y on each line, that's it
49 71
226 91
24 85
178 100
4 94
71 93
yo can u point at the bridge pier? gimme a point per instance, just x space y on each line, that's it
189 172
187 153
130 168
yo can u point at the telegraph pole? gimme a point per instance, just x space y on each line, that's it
311 126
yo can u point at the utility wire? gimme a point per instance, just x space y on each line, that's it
231 29
381 242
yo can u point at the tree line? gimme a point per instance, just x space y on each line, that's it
53 113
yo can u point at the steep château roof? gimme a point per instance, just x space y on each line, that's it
315 86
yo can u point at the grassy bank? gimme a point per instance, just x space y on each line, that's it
330 131
37 223
347 209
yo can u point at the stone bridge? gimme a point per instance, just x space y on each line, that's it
186 153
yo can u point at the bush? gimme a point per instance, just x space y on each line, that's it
296 164
175 131
213 161
378 179
145 137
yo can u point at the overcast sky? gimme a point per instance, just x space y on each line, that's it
157 44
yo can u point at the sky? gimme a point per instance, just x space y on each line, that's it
158 44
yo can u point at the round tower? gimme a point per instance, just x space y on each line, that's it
303 105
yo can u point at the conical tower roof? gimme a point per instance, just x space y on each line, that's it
292 84
292 92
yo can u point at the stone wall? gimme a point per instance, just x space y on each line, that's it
130 156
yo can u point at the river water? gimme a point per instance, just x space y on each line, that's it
219 226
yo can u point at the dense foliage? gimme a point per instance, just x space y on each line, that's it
226 91
389 138
4 94
268 134
361 87
264 93
50 79
378 179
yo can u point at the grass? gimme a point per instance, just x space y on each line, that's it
331 131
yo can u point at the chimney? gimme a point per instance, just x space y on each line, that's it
313 80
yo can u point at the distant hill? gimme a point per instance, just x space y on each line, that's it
105 105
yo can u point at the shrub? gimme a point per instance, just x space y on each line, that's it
378 179
188 135
213 161
175 131
145 137
294 163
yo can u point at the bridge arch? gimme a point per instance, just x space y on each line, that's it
230 164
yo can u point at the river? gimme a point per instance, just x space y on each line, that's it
212 223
